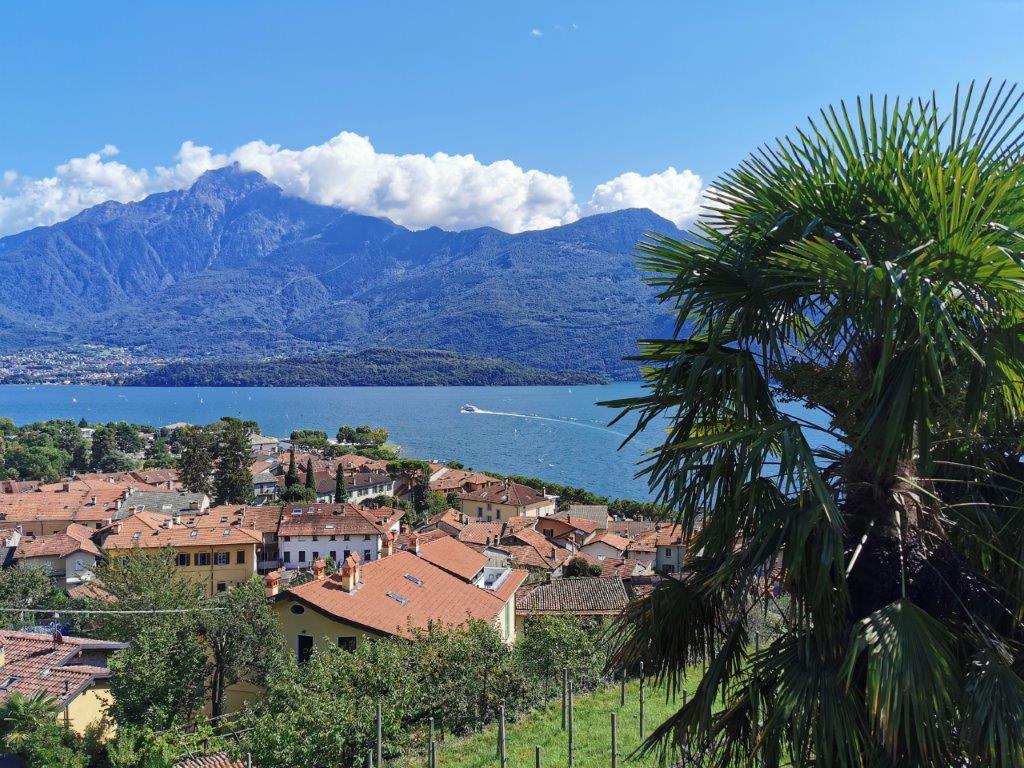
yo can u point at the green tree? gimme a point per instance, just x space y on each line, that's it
298 494
292 476
340 489
869 267
28 586
578 566
157 455
232 478
30 729
310 475
195 465
244 640
346 434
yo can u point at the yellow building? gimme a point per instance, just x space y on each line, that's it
72 670
392 596
500 502
217 551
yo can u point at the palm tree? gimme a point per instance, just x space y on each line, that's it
21 716
869 269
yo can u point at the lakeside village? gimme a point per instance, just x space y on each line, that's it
219 596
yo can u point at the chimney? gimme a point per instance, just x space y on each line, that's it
415 543
351 573
93 502
169 522
169 485
272 583
3 655
131 509
319 568
176 519
67 487
389 541
194 504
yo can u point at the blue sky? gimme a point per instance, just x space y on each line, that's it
603 89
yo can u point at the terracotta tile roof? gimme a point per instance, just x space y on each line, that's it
404 539
592 595
460 479
156 476
264 519
35 663
612 540
216 760
389 602
664 535
453 556
478 533
327 520
583 524
75 538
513 494
616 566
147 530
18 486
450 517
531 548
386 517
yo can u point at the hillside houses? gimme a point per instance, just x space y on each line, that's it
312 532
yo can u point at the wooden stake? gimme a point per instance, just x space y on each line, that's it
430 746
641 699
503 758
615 743
572 749
536 756
622 689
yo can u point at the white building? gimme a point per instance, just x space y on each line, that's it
68 556
310 532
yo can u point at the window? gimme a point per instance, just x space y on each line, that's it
302 555
222 558
347 537
334 538
79 565
202 558
287 557
184 559
334 556
316 538
222 587
298 610
240 556
347 643
668 552
304 648
347 553
366 538
366 555
316 555
287 538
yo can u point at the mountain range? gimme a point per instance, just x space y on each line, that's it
232 268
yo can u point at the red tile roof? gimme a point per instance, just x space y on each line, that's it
513 494
328 520
35 663
75 538
148 530
453 556
389 602
590 595
612 540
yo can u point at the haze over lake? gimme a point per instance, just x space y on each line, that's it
556 433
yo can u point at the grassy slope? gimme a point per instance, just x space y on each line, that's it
544 728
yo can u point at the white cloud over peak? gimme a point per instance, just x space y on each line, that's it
675 195
415 190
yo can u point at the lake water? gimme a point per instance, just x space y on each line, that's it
556 433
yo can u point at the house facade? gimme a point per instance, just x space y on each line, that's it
506 500
310 532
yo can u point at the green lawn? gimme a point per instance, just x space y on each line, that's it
544 728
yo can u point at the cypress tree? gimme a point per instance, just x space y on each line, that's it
292 477
340 490
196 463
310 478
232 480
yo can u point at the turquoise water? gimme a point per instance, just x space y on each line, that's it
557 433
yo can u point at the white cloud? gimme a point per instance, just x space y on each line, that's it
415 190
536 33
675 195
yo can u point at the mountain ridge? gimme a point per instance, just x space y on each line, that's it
233 266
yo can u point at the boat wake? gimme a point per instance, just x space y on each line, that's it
559 420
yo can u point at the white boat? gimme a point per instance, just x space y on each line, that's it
470 409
